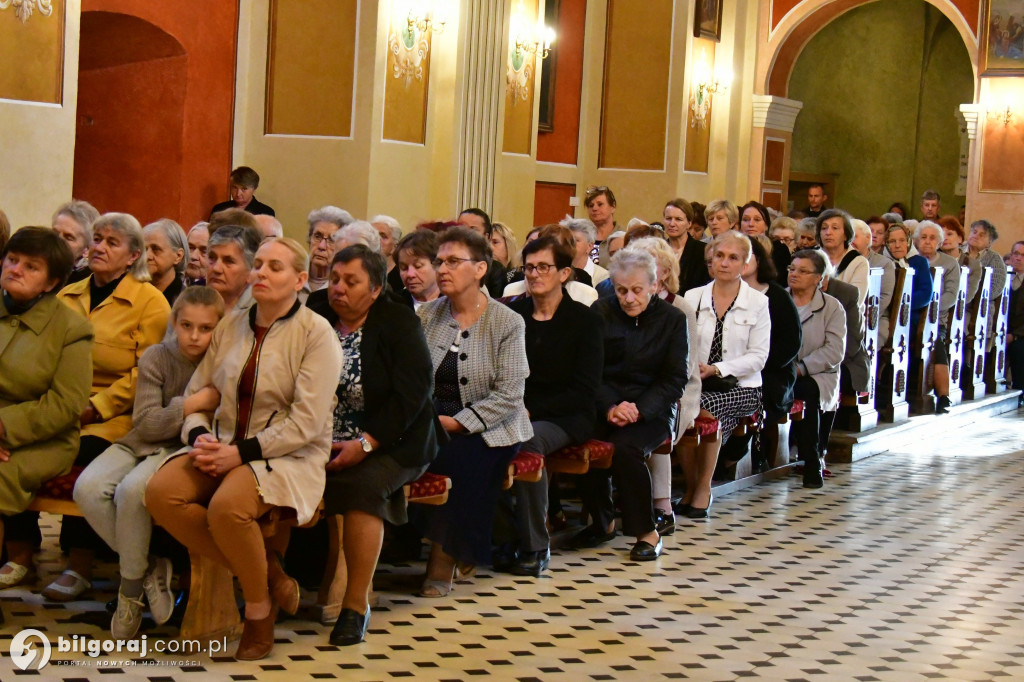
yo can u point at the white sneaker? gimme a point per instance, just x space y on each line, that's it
127 618
157 586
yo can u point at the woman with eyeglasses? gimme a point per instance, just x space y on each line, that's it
822 348
478 351
907 257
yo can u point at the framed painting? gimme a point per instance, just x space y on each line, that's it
708 20
1002 38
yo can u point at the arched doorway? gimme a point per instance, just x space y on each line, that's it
131 113
881 86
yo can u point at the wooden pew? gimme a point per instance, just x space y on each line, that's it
858 413
972 377
955 339
925 337
891 392
995 363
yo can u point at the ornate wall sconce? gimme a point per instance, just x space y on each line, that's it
525 38
23 8
1004 115
412 25
704 85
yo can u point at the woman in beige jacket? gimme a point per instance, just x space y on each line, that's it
276 366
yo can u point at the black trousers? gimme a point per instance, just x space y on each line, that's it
808 429
1015 356
633 445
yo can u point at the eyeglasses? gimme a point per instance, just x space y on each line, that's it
541 268
785 240
798 271
452 262
595 189
320 237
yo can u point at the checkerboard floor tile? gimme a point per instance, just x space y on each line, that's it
905 566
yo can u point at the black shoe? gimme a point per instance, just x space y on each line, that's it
591 536
700 513
504 557
681 508
664 522
813 477
532 563
942 405
350 628
645 551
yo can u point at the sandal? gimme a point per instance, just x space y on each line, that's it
17 575
464 572
61 593
434 589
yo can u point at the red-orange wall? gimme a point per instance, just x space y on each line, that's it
208 33
128 146
551 202
560 145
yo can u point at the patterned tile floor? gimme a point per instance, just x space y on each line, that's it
906 566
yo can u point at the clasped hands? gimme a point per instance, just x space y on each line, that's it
623 414
212 457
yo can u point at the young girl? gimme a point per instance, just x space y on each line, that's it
110 490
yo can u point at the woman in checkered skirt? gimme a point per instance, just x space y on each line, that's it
731 342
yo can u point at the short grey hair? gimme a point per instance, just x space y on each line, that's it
929 225
632 260
827 269
817 258
393 225
993 234
328 214
893 218
82 212
201 225
583 226
243 238
128 227
359 232
860 227
737 237
808 226
175 237
276 228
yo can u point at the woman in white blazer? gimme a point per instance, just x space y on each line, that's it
731 343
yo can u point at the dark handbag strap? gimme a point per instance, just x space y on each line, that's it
847 259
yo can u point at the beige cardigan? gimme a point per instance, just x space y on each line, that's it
293 404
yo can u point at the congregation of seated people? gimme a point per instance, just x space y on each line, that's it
200 380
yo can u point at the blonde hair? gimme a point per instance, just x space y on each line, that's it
511 244
664 256
300 257
733 236
732 213
201 295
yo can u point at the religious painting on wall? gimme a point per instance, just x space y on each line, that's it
1002 38
708 21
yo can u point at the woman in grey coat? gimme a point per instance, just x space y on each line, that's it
823 321
478 351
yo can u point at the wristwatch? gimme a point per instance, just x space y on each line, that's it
718 372
366 444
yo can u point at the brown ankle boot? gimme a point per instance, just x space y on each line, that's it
257 637
284 589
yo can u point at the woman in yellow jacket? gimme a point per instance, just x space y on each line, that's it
128 315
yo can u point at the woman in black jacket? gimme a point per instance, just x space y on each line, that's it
693 271
754 222
564 347
384 434
645 351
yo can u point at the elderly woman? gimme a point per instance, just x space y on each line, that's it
230 254
73 221
276 367
45 353
128 315
357 232
823 321
383 427
323 224
783 230
415 256
754 222
678 218
732 342
807 234
478 352
907 257
952 237
980 255
166 256
779 373
722 216
835 234
198 243
586 271
565 355
927 239
661 464
862 243
645 370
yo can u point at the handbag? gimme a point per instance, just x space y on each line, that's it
718 384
